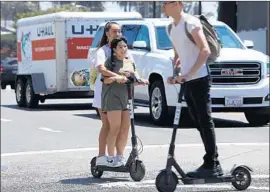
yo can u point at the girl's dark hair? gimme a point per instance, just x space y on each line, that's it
114 44
104 39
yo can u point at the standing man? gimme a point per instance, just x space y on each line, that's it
191 59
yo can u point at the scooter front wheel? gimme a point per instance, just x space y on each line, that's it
166 183
137 170
242 178
94 170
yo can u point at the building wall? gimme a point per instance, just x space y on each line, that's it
252 23
251 15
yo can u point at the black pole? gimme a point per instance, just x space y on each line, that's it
154 9
268 30
200 8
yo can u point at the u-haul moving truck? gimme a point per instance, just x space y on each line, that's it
52 54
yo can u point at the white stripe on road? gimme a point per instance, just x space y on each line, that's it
151 183
5 120
48 129
128 147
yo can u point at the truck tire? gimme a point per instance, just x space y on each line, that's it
20 93
159 111
257 119
31 98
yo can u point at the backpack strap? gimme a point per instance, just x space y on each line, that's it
188 34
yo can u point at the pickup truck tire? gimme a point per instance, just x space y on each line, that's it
20 93
31 98
159 112
257 119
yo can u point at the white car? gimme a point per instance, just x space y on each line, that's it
240 75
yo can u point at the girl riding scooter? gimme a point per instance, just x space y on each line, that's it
115 96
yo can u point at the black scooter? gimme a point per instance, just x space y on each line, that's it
167 180
133 165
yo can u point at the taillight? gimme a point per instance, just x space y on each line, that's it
1 69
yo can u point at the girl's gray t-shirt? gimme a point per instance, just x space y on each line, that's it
115 95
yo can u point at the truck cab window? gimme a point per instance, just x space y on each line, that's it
97 37
130 32
143 35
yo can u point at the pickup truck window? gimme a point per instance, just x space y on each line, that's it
97 38
143 35
130 32
136 33
163 41
227 38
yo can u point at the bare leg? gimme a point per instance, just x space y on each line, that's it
103 133
114 118
123 134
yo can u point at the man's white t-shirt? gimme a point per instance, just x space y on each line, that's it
187 51
101 56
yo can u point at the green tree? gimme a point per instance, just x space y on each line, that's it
90 5
67 7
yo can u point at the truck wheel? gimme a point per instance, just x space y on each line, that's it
20 93
257 119
158 105
32 99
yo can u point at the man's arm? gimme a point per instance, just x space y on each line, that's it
200 40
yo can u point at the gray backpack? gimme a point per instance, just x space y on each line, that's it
211 37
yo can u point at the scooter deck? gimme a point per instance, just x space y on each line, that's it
219 179
113 169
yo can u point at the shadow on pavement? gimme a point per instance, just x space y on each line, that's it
90 180
54 107
143 119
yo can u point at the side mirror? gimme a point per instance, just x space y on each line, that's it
140 45
249 44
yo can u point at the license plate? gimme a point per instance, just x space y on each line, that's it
14 71
233 101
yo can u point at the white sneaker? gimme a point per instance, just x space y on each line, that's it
121 160
102 160
112 162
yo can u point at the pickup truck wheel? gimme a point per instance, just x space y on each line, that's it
32 99
257 119
158 104
20 93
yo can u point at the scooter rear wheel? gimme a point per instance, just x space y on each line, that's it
94 170
242 177
137 170
166 184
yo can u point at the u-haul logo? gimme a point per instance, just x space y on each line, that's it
84 29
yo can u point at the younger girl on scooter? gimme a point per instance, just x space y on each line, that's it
115 97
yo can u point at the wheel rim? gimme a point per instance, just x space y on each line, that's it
28 93
18 92
156 103
243 177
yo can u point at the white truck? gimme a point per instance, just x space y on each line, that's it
240 75
53 54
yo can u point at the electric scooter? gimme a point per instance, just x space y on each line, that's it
133 165
167 180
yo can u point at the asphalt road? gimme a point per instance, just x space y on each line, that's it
49 149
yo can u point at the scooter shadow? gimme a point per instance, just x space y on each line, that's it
91 180
143 119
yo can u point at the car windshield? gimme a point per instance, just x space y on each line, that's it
227 38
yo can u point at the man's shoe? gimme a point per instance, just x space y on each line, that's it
204 172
